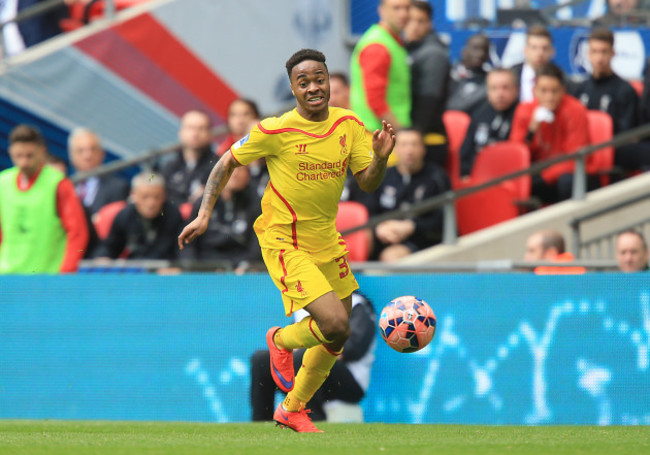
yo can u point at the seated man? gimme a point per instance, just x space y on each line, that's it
410 182
548 245
348 380
467 87
631 252
148 227
186 174
551 125
86 153
491 122
230 237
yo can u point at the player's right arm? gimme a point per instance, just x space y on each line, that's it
217 180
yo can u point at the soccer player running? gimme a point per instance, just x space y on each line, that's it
307 150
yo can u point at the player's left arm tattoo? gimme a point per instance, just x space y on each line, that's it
371 177
217 180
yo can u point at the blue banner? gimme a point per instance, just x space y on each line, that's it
510 349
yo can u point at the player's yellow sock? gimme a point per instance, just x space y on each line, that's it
316 365
303 334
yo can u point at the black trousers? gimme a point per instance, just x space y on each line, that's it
339 385
561 190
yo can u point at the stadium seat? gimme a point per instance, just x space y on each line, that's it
498 203
601 129
456 124
103 219
352 214
637 85
82 14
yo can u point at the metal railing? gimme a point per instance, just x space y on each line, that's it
447 200
607 239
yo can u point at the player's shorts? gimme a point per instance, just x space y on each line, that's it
302 277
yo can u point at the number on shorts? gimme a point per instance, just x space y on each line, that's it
343 265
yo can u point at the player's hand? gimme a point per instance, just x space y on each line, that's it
192 231
383 141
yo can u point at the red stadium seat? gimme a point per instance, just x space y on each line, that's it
103 219
456 124
499 203
601 129
82 14
352 214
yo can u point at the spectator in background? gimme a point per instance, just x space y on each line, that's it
549 245
492 120
339 90
230 237
410 182
631 252
538 51
622 13
429 79
467 88
604 90
551 125
347 381
57 163
186 174
147 227
379 72
86 154
42 223
242 115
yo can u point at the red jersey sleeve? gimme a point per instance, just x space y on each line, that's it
520 124
74 224
374 60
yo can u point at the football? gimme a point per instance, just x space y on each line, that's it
407 324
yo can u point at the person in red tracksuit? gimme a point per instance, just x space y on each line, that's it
553 124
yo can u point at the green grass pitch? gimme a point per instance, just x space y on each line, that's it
29 437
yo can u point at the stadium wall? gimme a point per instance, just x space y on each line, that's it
510 349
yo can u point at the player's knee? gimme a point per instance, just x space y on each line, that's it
337 329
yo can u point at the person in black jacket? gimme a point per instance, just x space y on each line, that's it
467 87
146 228
604 90
492 120
347 381
429 79
410 182
230 237
186 174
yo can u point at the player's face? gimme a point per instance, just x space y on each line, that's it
195 130
395 13
410 151
339 93
148 200
548 91
501 90
534 248
85 152
27 156
600 56
538 51
310 85
240 118
418 25
630 253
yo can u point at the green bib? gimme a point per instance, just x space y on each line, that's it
398 92
33 239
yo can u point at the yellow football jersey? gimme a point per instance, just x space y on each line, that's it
307 163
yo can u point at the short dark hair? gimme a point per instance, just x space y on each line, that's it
501 69
342 76
539 30
252 105
550 70
301 56
26 133
602 34
423 5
